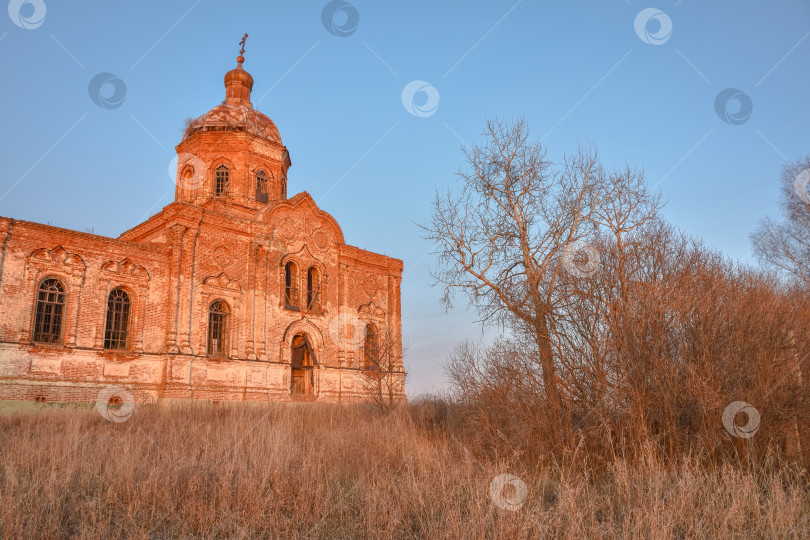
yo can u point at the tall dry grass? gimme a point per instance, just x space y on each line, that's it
314 471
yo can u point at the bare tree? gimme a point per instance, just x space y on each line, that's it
785 246
501 236
384 381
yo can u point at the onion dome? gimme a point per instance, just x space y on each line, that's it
236 113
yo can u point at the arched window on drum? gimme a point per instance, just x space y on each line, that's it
262 183
222 176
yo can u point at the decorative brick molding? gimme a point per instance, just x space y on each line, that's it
70 269
134 279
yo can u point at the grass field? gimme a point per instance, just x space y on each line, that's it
318 471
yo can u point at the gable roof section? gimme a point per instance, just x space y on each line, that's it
301 202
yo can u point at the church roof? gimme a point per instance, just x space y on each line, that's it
228 117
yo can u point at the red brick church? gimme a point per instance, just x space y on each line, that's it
234 291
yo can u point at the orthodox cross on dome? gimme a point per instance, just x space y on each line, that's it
241 58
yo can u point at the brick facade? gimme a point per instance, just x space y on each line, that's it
228 237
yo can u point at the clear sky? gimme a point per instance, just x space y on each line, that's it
642 86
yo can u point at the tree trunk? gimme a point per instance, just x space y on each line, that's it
558 420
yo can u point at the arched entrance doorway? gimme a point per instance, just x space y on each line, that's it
303 362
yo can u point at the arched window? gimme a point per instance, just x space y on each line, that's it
371 348
118 308
261 185
284 186
313 290
291 285
50 311
221 177
218 328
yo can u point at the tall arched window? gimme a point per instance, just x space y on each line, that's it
116 331
284 186
221 177
371 348
50 311
261 185
218 314
291 285
313 290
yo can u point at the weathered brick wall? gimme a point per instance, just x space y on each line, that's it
173 266
89 266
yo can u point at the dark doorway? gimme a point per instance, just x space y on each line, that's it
303 364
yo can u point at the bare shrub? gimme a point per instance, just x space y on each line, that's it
515 224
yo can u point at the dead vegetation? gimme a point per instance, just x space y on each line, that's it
314 471
619 332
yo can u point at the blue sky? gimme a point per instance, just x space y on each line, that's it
577 71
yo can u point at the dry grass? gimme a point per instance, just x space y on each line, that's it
311 471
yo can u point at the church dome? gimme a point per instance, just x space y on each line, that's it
227 117
236 113
238 74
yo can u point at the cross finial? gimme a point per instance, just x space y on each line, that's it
241 58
